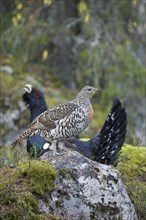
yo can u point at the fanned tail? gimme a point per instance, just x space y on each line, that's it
112 134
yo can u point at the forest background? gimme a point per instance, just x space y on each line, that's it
64 45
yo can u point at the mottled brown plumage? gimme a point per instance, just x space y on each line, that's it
63 121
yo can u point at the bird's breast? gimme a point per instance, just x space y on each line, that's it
89 112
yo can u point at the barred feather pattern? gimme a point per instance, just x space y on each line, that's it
64 120
66 127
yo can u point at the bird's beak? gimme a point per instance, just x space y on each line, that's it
28 88
96 90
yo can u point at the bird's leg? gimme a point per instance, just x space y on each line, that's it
53 147
60 145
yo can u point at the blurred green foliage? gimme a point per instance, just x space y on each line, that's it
73 43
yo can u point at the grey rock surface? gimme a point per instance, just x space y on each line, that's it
87 190
8 119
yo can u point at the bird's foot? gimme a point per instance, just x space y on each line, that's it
60 145
51 146
61 149
56 148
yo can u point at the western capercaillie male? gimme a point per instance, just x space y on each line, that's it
103 147
63 121
35 100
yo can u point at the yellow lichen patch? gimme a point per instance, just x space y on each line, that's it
87 18
20 188
83 7
84 11
45 55
19 6
47 2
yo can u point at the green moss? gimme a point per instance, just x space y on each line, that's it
20 188
132 161
132 165
26 205
42 176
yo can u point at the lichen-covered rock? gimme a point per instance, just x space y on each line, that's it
9 118
87 190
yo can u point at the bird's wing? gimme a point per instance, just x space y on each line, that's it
47 119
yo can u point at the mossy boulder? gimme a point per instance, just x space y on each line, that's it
87 190
76 188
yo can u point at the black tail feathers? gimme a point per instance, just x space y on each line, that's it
112 134
105 146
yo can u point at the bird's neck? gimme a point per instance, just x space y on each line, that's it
36 111
82 100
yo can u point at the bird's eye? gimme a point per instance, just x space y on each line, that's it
36 94
89 90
